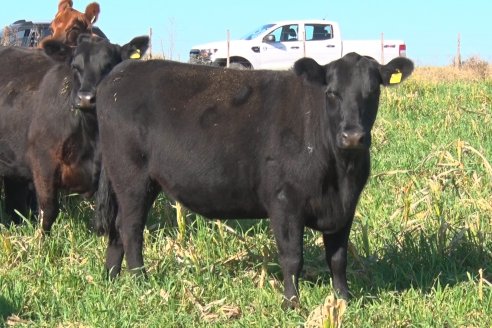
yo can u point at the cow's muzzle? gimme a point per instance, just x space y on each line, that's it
351 139
85 100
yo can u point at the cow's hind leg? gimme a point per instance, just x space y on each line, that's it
134 204
336 256
114 252
289 230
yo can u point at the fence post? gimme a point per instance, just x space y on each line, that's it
150 43
304 43
382 48
228 48
457 59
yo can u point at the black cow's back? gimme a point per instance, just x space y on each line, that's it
210 128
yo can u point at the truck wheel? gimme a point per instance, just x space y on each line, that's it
238 65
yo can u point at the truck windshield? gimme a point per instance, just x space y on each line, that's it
258 31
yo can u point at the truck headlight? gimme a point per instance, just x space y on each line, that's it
201 56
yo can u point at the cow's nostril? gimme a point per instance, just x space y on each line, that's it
352 139
86 99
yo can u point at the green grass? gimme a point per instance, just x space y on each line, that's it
421 255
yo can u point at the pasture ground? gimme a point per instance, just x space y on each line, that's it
420 256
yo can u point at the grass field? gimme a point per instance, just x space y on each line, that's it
420 256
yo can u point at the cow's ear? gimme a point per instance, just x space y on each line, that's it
311 70
57 50
135 48
396 71
64 4
92 12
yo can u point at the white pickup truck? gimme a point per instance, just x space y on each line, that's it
278 45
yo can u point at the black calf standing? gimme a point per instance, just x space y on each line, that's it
293 147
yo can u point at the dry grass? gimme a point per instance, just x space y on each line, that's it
451 74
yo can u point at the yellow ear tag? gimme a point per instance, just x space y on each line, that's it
395 77
135 54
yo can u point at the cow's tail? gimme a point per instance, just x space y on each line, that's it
106 205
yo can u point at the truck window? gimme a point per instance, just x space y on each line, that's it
317 32
286 33
44 31
22 37
258 31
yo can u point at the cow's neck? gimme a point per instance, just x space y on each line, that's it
343 181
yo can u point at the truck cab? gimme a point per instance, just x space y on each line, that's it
275 46
278 46
24 33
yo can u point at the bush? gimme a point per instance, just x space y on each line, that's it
477 65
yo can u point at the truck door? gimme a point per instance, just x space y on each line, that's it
281 48
320 43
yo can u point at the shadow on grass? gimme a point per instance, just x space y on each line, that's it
6 309
415 261
419 262
412 261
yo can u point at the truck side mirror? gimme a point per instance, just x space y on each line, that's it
269 38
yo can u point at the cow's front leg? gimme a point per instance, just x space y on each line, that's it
289 230
47 197
336 256
48 209
44 172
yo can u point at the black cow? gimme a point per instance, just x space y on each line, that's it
21 72
242 144
48 124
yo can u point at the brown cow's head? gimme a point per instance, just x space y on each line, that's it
70 23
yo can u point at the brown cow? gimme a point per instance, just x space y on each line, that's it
48 127
69 23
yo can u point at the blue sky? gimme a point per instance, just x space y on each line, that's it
429 28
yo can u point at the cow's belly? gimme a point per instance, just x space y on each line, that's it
77 178
222 204
218 201
220 210
329 225
12 163
211 187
